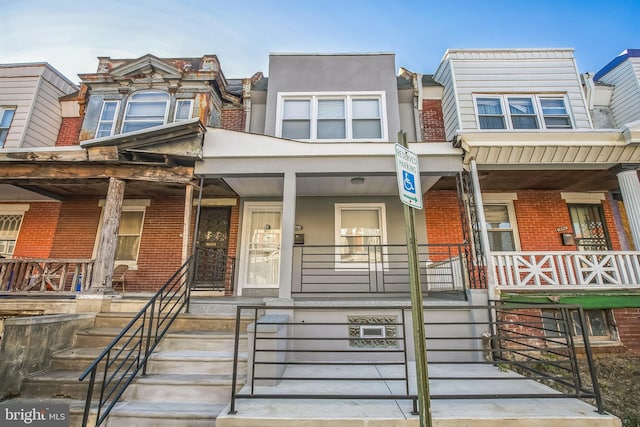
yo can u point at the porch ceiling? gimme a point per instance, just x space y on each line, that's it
373 185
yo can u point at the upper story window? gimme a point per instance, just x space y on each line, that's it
108 117
144 110
6 116
331 117
522 112
184 107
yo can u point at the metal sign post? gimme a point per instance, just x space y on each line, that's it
411 195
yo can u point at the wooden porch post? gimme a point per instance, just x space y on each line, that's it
106 253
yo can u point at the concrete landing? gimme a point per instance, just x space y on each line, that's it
521 412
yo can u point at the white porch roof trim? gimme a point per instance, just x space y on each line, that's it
593 149
231 152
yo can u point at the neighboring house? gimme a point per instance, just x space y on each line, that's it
30 114
558 194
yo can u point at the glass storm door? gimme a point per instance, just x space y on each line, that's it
589 227
262 245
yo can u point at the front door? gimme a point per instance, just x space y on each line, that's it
589 227
212 245
260 260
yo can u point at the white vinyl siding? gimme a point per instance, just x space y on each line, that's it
18 92
449 103
626 92
550 72
46 117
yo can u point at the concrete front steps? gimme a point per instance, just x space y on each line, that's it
188 379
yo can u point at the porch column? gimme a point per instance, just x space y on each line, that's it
106 254
484 236
288 230
630 190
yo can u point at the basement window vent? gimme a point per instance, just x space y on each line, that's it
373 331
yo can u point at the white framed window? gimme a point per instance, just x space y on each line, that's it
555 113
599 324
500 220
332 116
108 117
10 221
145 109
359 228
6 116
516 111
184 108
129 231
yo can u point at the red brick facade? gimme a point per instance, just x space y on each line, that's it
442 214
628 324
37 230
432 121
69 131
233 119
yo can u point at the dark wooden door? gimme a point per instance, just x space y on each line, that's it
212 247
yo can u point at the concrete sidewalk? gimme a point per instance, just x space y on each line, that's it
519 412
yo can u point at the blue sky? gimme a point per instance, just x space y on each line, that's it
71 34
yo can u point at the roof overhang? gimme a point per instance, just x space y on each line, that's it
592 149
254 165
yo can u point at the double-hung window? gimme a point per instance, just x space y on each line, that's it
108 117
555 113
331 117
129 231
145 109
500 220
184 107
522 112
360 230
6 116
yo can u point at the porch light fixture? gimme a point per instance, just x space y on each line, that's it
358 180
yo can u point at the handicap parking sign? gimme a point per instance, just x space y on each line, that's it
408 173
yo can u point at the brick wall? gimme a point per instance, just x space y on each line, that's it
76 231
628 323
69 131
233 119
432 121
538 214
37 230
442 215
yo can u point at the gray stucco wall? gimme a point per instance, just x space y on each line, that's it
333 73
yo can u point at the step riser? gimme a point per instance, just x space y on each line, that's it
190 367
215 393
183 343
68 364
48 389
120 421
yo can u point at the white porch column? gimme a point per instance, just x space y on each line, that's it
288 230
630 190
484 236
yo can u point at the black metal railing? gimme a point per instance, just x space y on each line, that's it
127 355
371 269
365 352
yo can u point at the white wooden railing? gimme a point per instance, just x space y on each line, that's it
561 270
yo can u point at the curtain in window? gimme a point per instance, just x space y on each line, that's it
296 119
331 119
366 119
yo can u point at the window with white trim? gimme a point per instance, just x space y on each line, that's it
108 116
359 226
145 109
129 231
9 229
184 107
500 220
331 117
599 324
522 112
6 116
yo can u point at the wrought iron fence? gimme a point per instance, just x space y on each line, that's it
359 269
127 354
366 352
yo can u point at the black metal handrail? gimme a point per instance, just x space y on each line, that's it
527 346
127 354
373 269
